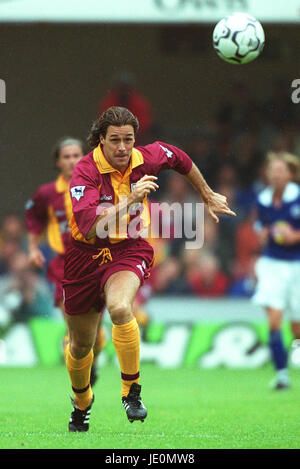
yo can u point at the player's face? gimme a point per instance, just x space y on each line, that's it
69 155
278 174
117 146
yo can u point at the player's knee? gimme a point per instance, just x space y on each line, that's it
80 348
275 324
120 311
274 317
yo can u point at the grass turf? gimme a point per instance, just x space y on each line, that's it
187 409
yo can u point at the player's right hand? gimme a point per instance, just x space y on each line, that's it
36 258
143 187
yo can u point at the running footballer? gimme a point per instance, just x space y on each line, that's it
106 267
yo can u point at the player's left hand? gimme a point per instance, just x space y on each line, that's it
217 203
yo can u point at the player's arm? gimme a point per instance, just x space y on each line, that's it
170 157
111 215
215 203
36 257
36 217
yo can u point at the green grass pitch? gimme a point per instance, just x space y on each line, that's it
187 409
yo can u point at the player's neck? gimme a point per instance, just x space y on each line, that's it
66 177
277 195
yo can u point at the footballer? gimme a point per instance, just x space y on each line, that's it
50 210
106 267
278 268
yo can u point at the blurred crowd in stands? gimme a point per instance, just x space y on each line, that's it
230 151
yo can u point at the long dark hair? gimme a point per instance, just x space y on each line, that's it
114 115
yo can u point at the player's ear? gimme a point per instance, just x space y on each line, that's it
102 139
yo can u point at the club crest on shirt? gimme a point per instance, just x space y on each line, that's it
77 192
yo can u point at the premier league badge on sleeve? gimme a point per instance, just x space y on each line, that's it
77 192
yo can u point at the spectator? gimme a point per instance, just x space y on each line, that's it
225 250
124 93
23 293
246 159
12 239
8 248
205 277
12 229
244 285
278 109
240 112
247 246
203 153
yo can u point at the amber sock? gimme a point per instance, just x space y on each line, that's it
126 340
65 345
99 343
80 371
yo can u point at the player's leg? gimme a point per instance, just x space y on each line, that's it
99 344
277 349
66 341
79 360
272 292
79 355
120 290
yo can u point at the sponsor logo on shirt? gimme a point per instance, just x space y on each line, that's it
106 197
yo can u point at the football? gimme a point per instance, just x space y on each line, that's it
238 38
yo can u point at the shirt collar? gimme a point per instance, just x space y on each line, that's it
61 184
290 193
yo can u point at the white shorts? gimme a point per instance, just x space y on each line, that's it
278 286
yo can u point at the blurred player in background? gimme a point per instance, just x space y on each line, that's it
50 209
278 269
106 266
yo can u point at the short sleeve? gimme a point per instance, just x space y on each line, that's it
84 191
164 156
36 212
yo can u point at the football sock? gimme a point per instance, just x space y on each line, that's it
65 345
278 351
126 340
98 346
80 371
99 343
